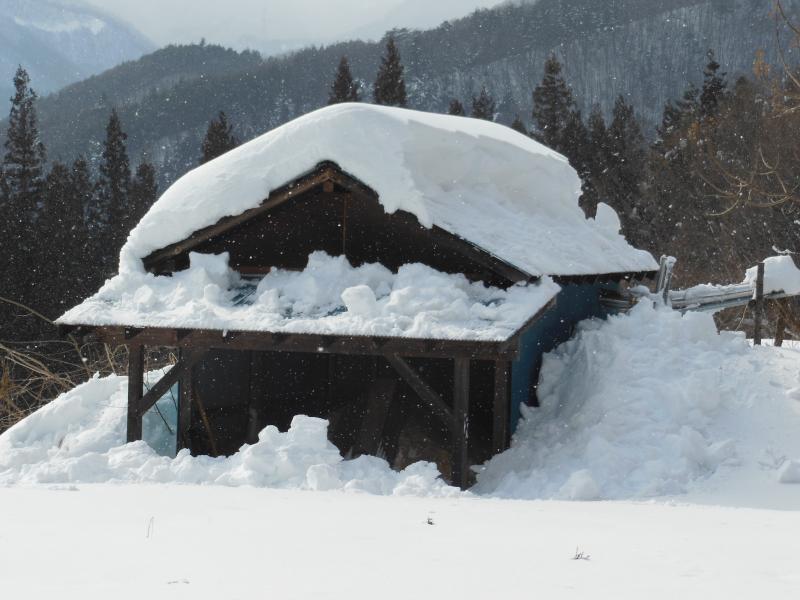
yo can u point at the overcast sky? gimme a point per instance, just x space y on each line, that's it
267 23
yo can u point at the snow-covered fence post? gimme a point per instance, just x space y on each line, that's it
759 304
664 281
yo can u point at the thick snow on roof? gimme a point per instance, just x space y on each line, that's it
329 297
479 180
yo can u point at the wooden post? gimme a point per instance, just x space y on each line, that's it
780 326
461 473
759 305
184 409
500 412
135 391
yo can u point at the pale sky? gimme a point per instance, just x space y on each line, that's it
268 23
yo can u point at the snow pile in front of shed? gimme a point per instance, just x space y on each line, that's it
481 181
80 438
329 297
656 403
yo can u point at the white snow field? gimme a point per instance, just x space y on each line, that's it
687 440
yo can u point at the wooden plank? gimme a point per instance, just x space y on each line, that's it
315 344
759 307
425 393
461 473
135 390
170 378
184 410
501 406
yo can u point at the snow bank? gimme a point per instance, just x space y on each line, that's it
328 297
652 404
476 179
780 275
80 438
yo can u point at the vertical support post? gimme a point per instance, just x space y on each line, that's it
461 423
780 327
184 408
135 391
759 316
500 411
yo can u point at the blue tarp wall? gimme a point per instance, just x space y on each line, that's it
574 304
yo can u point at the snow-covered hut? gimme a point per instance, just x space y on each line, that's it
396 272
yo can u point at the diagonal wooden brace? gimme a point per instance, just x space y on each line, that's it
170 378
421 388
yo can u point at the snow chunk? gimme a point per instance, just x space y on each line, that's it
328 297
479 180
80 438
780 275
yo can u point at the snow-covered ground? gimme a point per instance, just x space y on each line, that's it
132 542
688 441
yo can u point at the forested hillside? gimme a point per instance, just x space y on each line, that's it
644 49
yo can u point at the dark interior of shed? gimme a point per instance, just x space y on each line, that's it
370 408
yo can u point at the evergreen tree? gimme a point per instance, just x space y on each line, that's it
112 213
519 126
219 139
626 163
22 184
483 106
456 108
344 88
552 105
597 159
576 143
144 191
714 88
390 85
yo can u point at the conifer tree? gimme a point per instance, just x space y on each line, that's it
576 144
519 126
483 106
456 108
552 105
144 191
626 161
344 88
390 85
714 88
22 180
112 212
219 139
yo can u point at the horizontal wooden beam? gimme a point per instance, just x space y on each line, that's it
310 343
425 393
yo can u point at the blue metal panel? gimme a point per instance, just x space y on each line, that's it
574 303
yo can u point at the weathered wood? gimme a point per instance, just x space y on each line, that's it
501 406
378 399
170 378
276 198
461 472
759 305
135 391
780 328
314 344
425 393
184 410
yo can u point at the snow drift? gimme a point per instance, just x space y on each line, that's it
655 404
479 180
329 297
80 438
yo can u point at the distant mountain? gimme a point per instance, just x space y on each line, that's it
60 42
646 50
